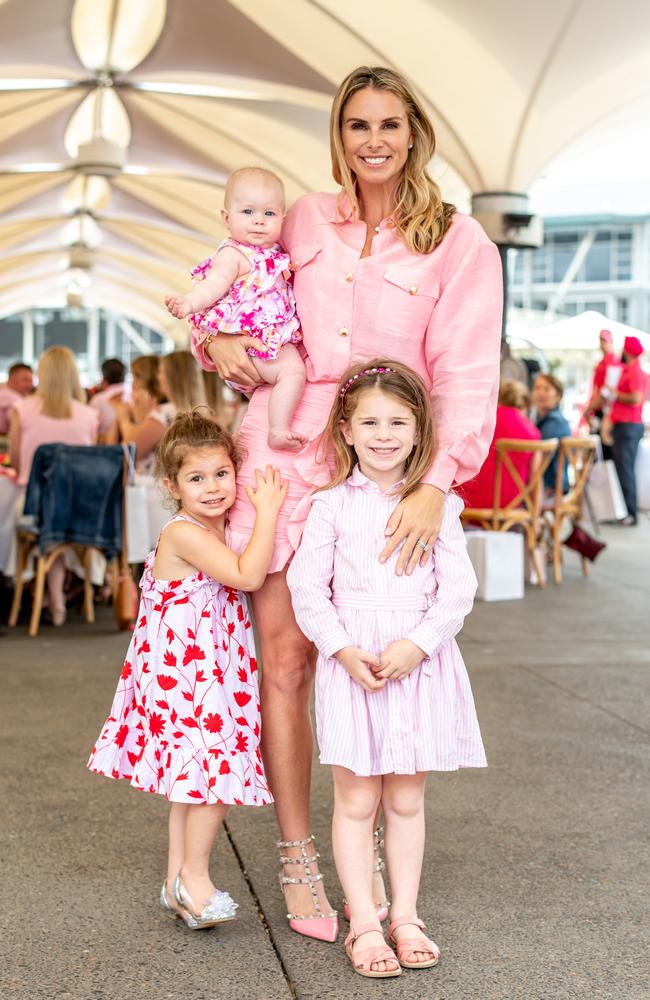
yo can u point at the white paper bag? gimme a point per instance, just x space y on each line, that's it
498 561
604 493
135 507
642 472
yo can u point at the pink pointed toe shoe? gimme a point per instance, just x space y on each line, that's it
378 868
319 925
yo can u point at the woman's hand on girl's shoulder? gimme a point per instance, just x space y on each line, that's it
415 525
269 491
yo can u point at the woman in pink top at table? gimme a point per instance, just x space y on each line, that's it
55 414
511 422
384 267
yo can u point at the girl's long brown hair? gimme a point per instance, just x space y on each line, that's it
421 216
406 386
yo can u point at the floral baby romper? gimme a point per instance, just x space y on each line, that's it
185 720
260 304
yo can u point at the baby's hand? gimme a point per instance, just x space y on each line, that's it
359 664
179 305
399 659
270 490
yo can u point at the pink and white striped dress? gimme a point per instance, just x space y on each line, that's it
343 596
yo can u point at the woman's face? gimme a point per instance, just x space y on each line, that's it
545 396
376 136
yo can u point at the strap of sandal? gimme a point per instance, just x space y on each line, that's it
401 921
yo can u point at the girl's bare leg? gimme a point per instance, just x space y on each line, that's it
403 805
355 805
202 824
176 847
288 662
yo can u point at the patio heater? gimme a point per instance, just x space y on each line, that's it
508 221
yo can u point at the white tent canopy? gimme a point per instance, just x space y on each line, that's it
575 333
182 92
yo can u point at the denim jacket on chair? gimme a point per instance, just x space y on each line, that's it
74 494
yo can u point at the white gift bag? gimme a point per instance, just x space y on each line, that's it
604 493
642 472
137 520
498 561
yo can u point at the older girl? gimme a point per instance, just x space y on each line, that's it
383 267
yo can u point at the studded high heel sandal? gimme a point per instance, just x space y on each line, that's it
378 868
323 926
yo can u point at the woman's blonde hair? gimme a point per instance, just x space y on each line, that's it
58 383
191 430
146 368
395 380
513 393
184 380
420 215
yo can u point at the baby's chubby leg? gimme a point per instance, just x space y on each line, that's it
287 375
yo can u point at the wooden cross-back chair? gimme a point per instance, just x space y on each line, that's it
524 510
577 455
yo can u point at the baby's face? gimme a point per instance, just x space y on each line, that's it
255 212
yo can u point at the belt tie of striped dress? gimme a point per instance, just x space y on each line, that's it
389 602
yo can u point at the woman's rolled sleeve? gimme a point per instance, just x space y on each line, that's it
462 347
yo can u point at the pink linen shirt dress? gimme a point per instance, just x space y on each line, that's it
440 313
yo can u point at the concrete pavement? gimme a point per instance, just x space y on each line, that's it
535 881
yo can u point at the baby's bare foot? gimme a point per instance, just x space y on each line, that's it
286 440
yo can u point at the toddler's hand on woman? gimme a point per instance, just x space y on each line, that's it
398 660
269 492
359 664
178 305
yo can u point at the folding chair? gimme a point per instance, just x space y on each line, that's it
577 455
524 510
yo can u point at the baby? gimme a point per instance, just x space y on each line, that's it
243 289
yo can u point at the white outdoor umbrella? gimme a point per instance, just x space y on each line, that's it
575 333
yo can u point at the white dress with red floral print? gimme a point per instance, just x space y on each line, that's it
259 304
185 720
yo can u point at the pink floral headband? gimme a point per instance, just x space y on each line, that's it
366 371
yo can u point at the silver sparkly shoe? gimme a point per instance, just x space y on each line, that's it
219 909
169 910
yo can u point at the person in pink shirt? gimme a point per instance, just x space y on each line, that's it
393 700
606 375
20 382
55 414
627 401
383 267
511 422
114 391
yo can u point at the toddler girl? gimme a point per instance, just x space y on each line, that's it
243 289
185 718
393 699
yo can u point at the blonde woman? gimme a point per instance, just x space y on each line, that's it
180 383
55 414
384 267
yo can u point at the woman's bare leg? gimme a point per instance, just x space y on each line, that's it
288 662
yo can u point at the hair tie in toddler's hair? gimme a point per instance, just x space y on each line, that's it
366 371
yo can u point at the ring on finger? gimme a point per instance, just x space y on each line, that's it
423 545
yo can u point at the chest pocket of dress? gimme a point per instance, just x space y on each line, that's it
406 300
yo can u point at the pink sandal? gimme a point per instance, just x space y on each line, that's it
370 956
407 946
